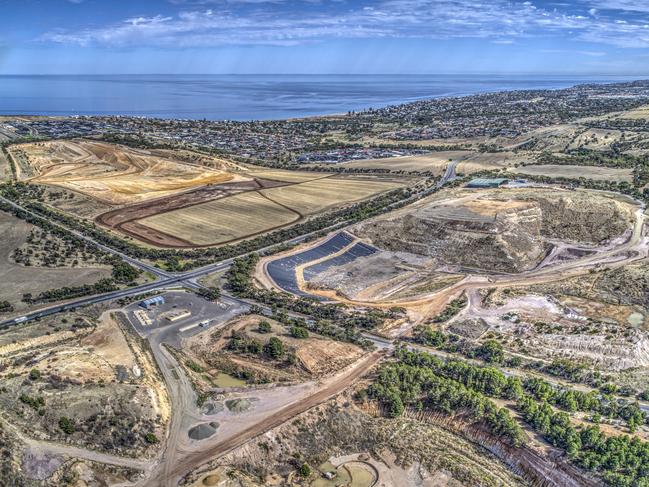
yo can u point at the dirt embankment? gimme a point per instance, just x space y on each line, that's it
581 216
501 230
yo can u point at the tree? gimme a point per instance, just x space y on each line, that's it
299 332
305 470
34 374
274 348
123 272
151 438
66 425
255 309
394 404
264 327
428 336
608 388
210 293
491 351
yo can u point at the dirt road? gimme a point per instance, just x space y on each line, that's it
170 472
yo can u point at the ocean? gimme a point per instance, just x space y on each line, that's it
246 97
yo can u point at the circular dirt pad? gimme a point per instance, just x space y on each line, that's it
211 479
203 431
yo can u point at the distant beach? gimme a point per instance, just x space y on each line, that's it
247 97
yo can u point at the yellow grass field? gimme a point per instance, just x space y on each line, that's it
589 172
248 214
223 220
595 139
435 162
286 176
489 161
316 196
640 113
115 174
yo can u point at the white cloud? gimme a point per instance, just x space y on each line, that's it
569 51
501 21
620 5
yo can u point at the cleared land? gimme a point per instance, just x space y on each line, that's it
115 174
489 161
641 113
316 356
223 220
572 172
255 212
181 198
435 162
87 370
315 196
125 219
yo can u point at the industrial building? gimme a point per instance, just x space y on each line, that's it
154 301
486 183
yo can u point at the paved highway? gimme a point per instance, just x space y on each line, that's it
449 174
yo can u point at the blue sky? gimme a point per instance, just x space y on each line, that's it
324 36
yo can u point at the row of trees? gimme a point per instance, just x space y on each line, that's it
600 402
589 157
122 273
399 385
70 292
621 460
490 350
572 400
583 182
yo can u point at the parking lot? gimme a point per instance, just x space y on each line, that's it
182 312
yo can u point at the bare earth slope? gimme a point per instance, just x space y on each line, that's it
501 230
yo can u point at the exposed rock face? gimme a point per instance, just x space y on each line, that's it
580 216
505 237
503 231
